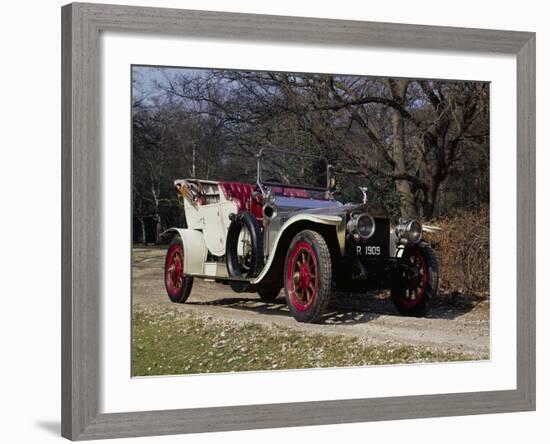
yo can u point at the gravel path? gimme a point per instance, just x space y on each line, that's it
456 323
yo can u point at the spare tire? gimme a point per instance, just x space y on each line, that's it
251 262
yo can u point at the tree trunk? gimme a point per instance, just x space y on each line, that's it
398 89
406 198
430 200
158 228
403 187
142 231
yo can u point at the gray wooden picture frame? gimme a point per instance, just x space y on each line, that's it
81 174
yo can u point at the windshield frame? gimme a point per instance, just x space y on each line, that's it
292 153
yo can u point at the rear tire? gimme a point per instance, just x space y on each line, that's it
178 285
413 291
308 276
269 294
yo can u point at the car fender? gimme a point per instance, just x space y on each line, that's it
194 248
329 220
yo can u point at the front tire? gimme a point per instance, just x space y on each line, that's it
178 284
308 276
416 283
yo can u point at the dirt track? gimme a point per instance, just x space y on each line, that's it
456 323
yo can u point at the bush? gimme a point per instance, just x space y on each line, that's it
462 247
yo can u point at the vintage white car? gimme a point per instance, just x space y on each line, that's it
288 231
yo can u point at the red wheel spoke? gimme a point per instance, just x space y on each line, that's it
302 276
175 275
416 278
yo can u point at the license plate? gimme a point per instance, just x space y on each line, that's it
367 250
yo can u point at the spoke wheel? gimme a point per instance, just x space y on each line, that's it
303 276
244 250
175 268
178 285
417 280
308 276
416 283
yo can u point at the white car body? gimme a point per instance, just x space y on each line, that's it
207 225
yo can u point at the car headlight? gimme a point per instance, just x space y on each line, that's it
361 226
409 232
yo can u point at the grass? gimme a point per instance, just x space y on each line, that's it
172 342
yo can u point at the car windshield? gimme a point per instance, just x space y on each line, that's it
292 169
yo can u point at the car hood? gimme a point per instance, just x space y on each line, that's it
292 206
333 208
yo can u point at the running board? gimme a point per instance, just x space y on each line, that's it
221 278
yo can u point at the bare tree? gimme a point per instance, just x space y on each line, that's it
416 142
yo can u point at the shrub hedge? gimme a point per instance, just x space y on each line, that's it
463 250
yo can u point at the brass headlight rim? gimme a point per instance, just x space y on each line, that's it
352 226
404 232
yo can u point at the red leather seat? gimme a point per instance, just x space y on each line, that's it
241 194
297 192
291 192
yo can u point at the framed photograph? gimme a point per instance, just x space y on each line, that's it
278 221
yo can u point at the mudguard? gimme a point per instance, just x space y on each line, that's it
194 249
314 218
